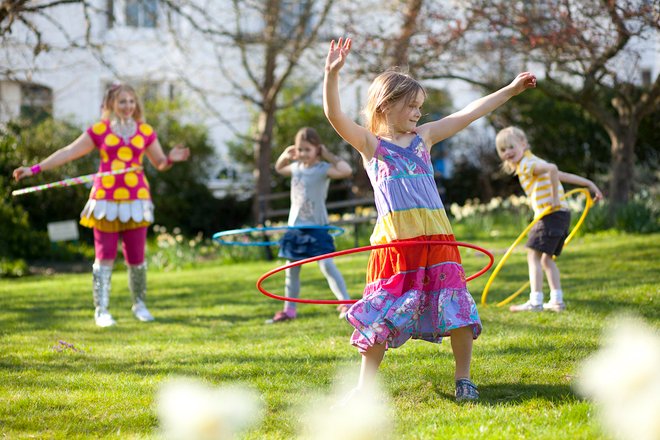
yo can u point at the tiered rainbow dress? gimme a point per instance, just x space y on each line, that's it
414 292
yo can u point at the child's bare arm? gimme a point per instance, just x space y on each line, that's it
433 132
356 135
339 168
283 163
581 181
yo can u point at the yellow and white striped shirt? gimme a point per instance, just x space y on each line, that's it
537 188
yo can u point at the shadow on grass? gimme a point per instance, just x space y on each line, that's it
221 367
517 393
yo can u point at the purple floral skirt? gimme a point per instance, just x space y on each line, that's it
426 303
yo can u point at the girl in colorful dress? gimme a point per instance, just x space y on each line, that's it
414 292
119 205
311 166
541 182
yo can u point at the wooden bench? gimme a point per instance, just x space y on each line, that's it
332 207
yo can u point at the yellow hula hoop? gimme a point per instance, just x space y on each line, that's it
587 205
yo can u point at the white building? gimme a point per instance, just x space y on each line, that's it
136 42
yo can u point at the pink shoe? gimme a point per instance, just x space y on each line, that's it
280 316
343 310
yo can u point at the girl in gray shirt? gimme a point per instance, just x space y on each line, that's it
311 166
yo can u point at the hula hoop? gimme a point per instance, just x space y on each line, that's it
335 231
73 181
268 274
587 205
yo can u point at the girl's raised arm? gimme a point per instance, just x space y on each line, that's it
283 163
351 132
433 132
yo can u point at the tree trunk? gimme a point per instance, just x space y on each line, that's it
399 55
622 164
486 191
262 160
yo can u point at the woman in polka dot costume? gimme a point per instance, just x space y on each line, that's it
119 205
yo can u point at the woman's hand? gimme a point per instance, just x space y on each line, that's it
337 55
178 154
22 172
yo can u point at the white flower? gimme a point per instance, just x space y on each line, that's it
190 410
623 379
455 210
356 415
494 203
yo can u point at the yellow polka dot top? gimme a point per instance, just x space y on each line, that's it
118 154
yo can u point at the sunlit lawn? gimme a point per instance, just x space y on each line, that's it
210 325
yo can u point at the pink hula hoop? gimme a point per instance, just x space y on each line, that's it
270 273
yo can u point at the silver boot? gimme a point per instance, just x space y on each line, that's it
101 276
137 283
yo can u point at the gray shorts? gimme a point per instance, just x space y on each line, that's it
549 234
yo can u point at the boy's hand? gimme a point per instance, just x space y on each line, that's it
522 82
337 55
596 192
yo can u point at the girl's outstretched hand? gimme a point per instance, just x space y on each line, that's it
337 55
522 82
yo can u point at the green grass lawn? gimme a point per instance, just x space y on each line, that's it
210 326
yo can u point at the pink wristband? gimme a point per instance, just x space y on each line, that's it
169 161
35 169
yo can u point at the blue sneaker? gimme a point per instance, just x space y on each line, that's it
466 390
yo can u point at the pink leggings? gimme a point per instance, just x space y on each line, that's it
132 243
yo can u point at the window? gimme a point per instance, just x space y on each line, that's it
646 77
142 13
36 101
110 13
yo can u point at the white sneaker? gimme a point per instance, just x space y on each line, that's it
526 307
141 312
554 306
103 318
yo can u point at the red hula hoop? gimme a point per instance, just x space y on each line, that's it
268 274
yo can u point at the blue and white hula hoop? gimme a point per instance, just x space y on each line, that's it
218 236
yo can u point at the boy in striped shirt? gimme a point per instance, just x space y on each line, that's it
541 182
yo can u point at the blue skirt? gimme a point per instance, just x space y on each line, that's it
298 244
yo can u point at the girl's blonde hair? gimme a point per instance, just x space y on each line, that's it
110 97
388 88
506 137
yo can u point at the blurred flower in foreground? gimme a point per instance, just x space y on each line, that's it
190 410
623 379
362 415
